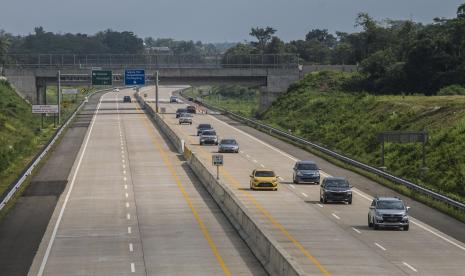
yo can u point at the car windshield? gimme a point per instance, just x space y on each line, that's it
390 204
186 115
181 110
307 167
205 126
228 142
337 183
264 174
209 133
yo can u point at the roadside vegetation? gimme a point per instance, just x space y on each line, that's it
238 99
21 135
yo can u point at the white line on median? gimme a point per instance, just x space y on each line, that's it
409 266
131 248
334 215
304 194
378 245
60 216
133 267
356 230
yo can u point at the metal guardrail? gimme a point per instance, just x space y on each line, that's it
340 157
15 186
151 61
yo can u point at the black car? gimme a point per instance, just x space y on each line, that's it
190 99
126 99
202 127
335 189
191 109
180 111
306 172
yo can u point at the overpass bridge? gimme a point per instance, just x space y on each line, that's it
31 74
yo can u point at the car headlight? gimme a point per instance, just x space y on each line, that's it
349 192
317 173
405 218
378 216
299 173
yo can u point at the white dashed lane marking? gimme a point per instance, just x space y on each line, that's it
356 230
378 245
409 266
334 215
304 194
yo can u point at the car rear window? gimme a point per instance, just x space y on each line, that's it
210 133
307 167
264 174
228 142
390 204
181 110
337 183
205 126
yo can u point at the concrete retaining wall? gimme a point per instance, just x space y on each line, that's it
272 256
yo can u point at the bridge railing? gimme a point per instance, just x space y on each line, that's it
151 61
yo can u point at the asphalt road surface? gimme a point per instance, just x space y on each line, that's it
132 207
329 238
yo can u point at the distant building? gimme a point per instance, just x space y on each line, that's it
158 50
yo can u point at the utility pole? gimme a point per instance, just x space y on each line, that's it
59 96
156 91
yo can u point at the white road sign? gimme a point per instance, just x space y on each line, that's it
69 91
217 160
43 109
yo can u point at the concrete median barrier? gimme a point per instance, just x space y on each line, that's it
272 256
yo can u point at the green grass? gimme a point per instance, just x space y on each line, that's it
239 100
21 135
318 110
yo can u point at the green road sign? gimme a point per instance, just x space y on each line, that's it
102 77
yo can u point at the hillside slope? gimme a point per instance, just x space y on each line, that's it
349 123
20 134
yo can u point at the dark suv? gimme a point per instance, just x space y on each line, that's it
388 212
202 127
180 111
306 172
126 99
335 189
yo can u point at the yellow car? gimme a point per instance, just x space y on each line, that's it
263 179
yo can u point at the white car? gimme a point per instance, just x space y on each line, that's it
185 118
115 89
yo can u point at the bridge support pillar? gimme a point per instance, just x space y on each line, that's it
276 85
41 91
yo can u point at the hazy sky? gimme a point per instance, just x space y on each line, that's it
209 20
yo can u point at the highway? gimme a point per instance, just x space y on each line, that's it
133 207
323 239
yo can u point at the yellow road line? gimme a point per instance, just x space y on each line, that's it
231 179
186 196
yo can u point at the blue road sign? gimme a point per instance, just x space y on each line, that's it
134 77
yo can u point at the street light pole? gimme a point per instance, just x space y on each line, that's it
156 91
59 96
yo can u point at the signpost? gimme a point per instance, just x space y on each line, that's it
403 137
102 77
45 108
134 77
217 160
69 91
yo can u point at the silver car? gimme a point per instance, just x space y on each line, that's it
228 145
185 118
388 212
208 137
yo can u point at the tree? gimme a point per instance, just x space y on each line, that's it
263 35
4 45
276 46
461 11
322 36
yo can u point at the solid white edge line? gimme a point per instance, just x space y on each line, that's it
334 215
378 245
356 230
60 216
409 266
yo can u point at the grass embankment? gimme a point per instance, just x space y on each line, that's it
237 99
317 109
21 136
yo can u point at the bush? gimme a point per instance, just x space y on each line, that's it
454 89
